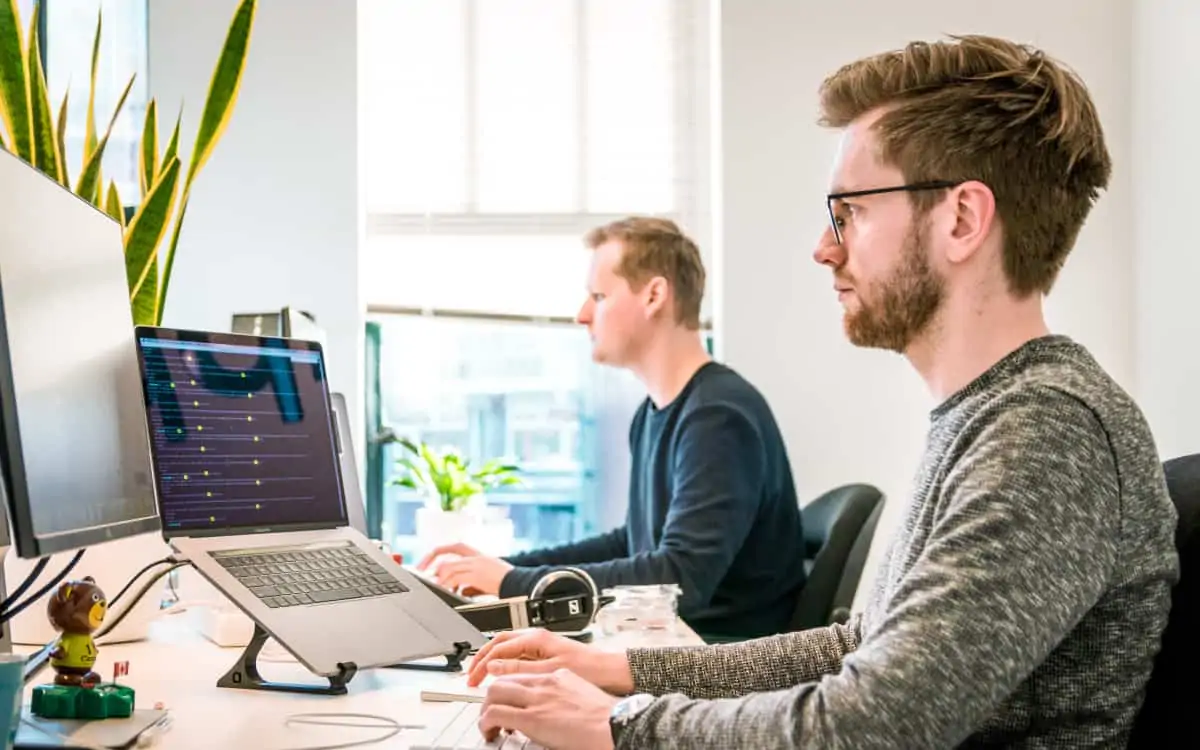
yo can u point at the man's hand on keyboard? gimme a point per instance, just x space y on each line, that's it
463 567
558 710
539 651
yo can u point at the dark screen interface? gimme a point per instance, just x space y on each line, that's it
241 435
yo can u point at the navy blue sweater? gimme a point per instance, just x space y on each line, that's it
712 507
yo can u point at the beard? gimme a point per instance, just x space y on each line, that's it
900 307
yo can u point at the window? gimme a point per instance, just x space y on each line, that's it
69 28
495 134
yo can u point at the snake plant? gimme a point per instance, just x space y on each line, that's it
32 131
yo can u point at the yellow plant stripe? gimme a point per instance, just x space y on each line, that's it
148 153
224 87
45 140
60 139
14 85
89 139
112 204
142 239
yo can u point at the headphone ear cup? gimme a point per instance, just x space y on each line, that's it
569 581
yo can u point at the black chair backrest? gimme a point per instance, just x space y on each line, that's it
838 528
1170 695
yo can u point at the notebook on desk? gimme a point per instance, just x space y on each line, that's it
68 734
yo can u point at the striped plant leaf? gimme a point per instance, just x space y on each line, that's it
45 142
218 108
89 139
173 144
142 239
60 138
90 179
223 88
148 153
112 204
14 84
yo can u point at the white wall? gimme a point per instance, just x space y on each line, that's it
1166 160
853 415
273 218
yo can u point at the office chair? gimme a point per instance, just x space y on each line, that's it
838 528
1170 694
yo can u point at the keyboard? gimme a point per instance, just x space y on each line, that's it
461 732
293 576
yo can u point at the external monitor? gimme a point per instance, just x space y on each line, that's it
74 448
258 324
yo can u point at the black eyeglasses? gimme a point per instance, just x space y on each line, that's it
829 199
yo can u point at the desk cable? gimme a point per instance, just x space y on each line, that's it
390 726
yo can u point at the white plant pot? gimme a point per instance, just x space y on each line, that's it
436 527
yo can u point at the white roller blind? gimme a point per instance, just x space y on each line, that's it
496 132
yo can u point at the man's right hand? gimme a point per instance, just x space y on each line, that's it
462 550
542 652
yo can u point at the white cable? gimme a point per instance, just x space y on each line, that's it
326 719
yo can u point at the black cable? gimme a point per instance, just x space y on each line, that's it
29 579
165 561
114 622
17 609
36 661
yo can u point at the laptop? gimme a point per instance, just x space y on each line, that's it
354 501
249 489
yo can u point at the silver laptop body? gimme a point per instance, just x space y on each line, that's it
250 490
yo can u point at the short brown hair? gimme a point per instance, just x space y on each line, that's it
987 109
657 247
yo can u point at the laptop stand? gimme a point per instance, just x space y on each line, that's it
245 676
454 662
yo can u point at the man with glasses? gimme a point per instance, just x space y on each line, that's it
1022 602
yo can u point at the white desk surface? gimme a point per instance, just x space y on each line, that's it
179 667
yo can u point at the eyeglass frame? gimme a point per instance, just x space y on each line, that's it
909 188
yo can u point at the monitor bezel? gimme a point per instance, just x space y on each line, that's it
162 333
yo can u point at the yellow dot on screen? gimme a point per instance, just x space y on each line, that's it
249 395
212 519
172 385
209 494
257 506
195 403
256 462
200 427
179 430
193 382
258 481
249 418
203 449
243 376
185 476
206 472
256 438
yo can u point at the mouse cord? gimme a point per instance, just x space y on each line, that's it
358 721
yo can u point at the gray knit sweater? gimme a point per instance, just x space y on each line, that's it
1020 603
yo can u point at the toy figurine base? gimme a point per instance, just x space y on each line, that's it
454 662
244 673
104 701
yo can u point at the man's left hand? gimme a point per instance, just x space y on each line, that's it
474 575
557 710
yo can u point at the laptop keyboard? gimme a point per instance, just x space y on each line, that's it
461 732
292 577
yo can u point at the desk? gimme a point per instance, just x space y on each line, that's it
179 667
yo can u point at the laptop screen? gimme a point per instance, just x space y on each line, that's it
241 434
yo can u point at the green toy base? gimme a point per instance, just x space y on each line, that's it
107 701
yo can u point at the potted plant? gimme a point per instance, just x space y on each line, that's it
454 491
32 132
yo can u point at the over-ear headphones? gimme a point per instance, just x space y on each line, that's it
564 600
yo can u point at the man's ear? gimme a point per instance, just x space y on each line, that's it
970 220
655 295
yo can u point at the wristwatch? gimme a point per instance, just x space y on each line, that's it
624 713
